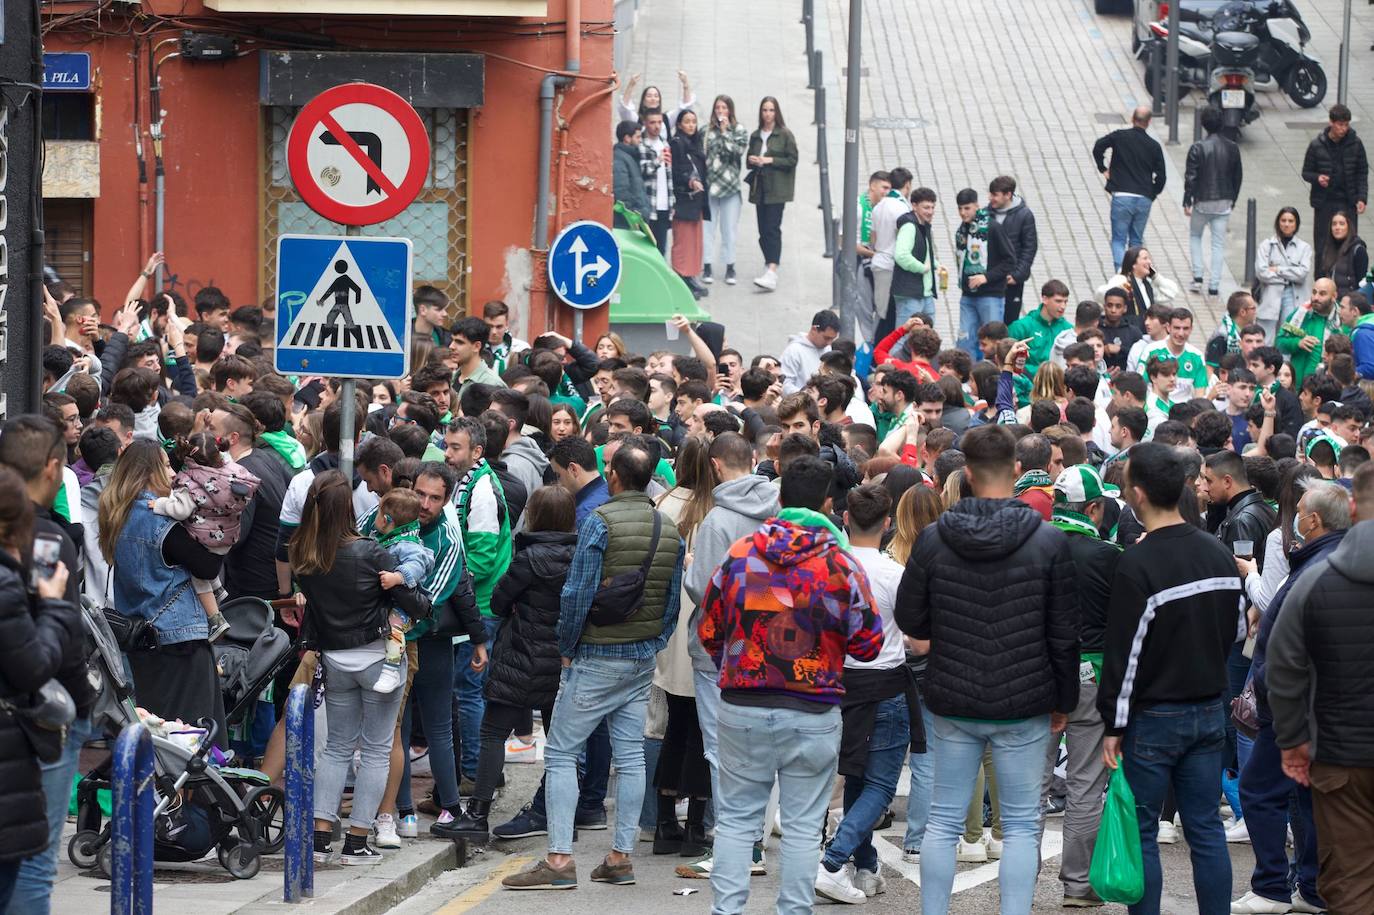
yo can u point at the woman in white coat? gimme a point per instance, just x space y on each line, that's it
1283 273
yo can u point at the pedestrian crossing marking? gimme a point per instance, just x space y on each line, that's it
341 314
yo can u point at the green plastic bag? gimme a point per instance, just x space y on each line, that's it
1117 873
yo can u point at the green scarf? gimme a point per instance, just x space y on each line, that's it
1073 523
805 517
292 451
1031 479
403 533
1228 326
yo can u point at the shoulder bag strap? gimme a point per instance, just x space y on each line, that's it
653 544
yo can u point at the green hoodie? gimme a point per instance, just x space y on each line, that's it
285 444
485 525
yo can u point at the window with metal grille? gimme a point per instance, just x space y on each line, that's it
436 223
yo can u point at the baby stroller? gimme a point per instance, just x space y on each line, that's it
201 807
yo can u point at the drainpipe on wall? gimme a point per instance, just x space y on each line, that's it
548 87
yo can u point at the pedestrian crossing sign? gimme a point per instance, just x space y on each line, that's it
343 306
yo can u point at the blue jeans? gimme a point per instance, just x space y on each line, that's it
363 720
974 312
1237 744
798 749
35 877
725 222
648 809
432 694
472 704
594 688
1217 226
1180 744
867 796
1129 215
1264 795
914 305
594 769
1018 757
922 767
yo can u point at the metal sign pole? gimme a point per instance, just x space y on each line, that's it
1171 101
1343 73
849 234
349 406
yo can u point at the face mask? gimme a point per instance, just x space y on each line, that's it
1297 534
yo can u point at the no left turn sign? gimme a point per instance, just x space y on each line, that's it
358 154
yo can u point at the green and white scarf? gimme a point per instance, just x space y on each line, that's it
1073 523
1031 479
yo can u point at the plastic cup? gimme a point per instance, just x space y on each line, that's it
1245 549
670 329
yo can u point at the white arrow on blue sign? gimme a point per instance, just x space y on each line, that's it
584 264
343 306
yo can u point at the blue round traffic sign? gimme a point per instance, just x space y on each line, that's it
584 264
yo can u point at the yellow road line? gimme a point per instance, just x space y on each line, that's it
479 893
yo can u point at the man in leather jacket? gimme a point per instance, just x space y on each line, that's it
1211 186
1248 516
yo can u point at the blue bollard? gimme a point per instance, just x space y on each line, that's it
300 795
131 892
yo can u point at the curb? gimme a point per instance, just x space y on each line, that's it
385 886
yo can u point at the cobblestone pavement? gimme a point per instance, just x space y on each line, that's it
960 92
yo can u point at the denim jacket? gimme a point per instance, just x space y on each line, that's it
146 586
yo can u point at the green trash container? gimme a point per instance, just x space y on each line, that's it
649 293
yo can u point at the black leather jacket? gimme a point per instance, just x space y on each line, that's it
346 607
1213 171
1248 517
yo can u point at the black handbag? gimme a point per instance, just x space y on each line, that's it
136 633
620 596
45 719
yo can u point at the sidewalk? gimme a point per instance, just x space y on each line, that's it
747 50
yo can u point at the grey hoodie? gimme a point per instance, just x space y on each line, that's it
800 360
527 462
741 507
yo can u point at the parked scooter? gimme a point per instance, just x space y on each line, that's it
1247 45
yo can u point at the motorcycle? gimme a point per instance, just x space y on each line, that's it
1221 63
1284 60
1280 59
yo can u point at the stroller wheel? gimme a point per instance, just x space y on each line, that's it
265 806
104 860
84 848
241 861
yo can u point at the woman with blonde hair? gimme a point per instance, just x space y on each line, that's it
152 559
1048 384
609 346
682 768
918 508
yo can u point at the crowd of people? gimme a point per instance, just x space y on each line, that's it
721 572
687 181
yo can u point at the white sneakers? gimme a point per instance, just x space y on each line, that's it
839 886
768 280
1251 904
1168 833
870 883
1302 906
408 827
971 853
1238 832
386 832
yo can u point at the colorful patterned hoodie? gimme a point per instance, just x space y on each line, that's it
783 610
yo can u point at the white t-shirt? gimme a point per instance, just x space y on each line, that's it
884 575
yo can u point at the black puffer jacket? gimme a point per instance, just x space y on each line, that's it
34 636
1320 664
1347 165
525 663
992 587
